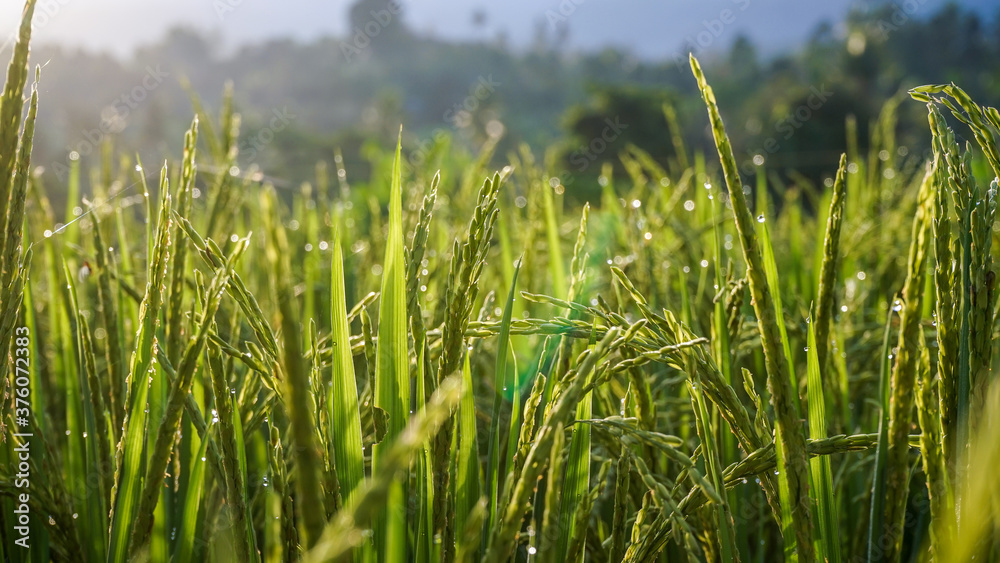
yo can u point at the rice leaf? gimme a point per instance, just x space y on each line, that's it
392 370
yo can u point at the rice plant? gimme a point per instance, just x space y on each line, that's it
697 367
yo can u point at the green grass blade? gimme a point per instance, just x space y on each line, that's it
467 487
828 544
392 370
192 503
876 516
501 383
576 483
342 397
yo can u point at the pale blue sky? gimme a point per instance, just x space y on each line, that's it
653 29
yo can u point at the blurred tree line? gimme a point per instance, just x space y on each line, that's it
302 101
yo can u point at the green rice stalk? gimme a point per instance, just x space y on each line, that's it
279 479
878 491
184 550
467 488
129 454
104 463
473 530
556 268
978 519
296 384
426 548
725 532
527 434
783 395
903 377
114 355
243 529
347 530
222 195
165 436
616 549
549 528
676 136
942 527
503 535
575 484
581 520
82 457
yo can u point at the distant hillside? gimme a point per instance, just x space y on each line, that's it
300 101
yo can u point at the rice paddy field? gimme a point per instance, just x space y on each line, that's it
702 365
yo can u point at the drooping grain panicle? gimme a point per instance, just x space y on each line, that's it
903 375
782 394
166 429
828 268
